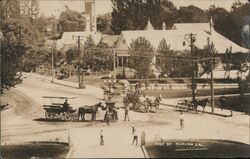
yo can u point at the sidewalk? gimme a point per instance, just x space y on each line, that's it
217 111
117 143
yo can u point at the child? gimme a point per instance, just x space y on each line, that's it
181 121
101 136
133 127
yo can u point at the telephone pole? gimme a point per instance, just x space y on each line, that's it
114 63
80 84
192 40
212 73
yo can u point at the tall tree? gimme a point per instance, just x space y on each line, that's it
72 20
97 57
222 19
171 63
104 23
191 14
142 53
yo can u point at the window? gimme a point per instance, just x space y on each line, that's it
184 43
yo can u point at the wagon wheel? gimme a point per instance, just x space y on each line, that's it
75 116
66 116
59 115
49 115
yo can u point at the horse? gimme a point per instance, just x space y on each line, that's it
131 97
225 104
89 110
154 103
202 102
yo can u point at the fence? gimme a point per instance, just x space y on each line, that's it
182 86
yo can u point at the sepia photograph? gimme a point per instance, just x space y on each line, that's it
124 79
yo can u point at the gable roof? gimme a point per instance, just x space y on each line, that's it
149 26
178 40
69 39
109 39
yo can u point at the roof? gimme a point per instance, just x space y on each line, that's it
69 39
191 26
109 39
178 40
149 26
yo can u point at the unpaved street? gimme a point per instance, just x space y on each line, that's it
24 121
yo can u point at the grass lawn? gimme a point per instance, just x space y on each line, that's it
182 93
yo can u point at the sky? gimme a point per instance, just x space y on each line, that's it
54 7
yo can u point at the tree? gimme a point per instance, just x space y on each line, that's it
222 19
204 56
165 52
104 23
172 63
142 53
72 20
133 15
97 57
191 14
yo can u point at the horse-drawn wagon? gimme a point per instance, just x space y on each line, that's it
186 105
111 112
57 108
141 103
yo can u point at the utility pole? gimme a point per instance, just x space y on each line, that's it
52 56
114 63
212 73
192 40
80 84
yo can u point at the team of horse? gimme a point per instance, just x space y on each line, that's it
141 102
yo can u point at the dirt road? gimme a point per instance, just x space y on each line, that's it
24 121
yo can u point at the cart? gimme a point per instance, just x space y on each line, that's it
54 109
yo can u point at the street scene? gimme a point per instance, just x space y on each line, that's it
125 79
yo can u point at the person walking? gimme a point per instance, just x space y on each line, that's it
181 121
126 109
135 138
133 127
101 137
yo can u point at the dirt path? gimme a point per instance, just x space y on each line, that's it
22 122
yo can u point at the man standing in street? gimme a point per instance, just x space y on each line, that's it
135 138
181 121
133 127
126 109
101 137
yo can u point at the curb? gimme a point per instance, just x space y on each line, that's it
69 153
145 153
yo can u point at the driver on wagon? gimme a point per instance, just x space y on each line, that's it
66 105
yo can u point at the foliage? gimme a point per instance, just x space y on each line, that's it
104 23
204 55
132 15
97 57
142 53
22 40
72 20
171 63
222 19
191 14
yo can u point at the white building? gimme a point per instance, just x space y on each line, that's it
177 39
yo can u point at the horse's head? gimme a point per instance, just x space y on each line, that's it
207 100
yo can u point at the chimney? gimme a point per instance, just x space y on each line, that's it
211 25
163 26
